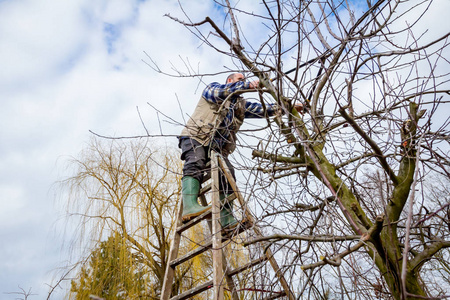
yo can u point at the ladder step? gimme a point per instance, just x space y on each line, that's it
192 292
188 256
196 220
209 284
203 248
203 216
231 197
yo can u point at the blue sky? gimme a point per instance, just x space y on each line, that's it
69 67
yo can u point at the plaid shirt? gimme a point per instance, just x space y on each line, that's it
217 93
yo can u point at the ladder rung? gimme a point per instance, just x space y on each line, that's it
188 256
203 248
246 266
206 214
192 292
231 197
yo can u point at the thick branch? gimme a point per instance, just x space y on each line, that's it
406 168
426 254
408 223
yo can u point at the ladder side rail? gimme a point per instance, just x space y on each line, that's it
173 253
257 231
229 279
247 215
217 229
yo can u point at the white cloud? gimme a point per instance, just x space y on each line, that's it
38 37
67 68
11 202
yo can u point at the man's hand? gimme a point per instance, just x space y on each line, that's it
254 84
299 108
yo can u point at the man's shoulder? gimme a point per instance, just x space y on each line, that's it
213 84
212 89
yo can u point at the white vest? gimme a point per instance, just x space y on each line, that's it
206 120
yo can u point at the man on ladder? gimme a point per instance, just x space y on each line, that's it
213 126
212 130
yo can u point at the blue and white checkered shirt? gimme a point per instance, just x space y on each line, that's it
217 93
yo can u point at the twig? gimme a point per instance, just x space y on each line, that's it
142 121
315 238
237 40
132 136
431 215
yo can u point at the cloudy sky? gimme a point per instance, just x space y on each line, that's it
68 67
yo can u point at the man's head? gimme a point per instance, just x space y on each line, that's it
235 77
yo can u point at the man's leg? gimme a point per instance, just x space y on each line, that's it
195 160
227 219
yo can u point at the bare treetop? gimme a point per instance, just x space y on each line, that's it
369 154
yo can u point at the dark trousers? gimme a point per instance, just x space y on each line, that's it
196 157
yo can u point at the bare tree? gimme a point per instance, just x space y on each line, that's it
341 186
22 293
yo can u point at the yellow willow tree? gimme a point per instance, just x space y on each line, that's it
128 190
340 186
111 273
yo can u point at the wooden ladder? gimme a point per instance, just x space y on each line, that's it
220 265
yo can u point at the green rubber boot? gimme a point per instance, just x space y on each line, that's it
227 220
189 191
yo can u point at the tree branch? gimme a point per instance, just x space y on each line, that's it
426 254
278 158
336 260
315 238
378 153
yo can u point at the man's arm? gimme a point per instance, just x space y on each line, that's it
256 110
217 93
